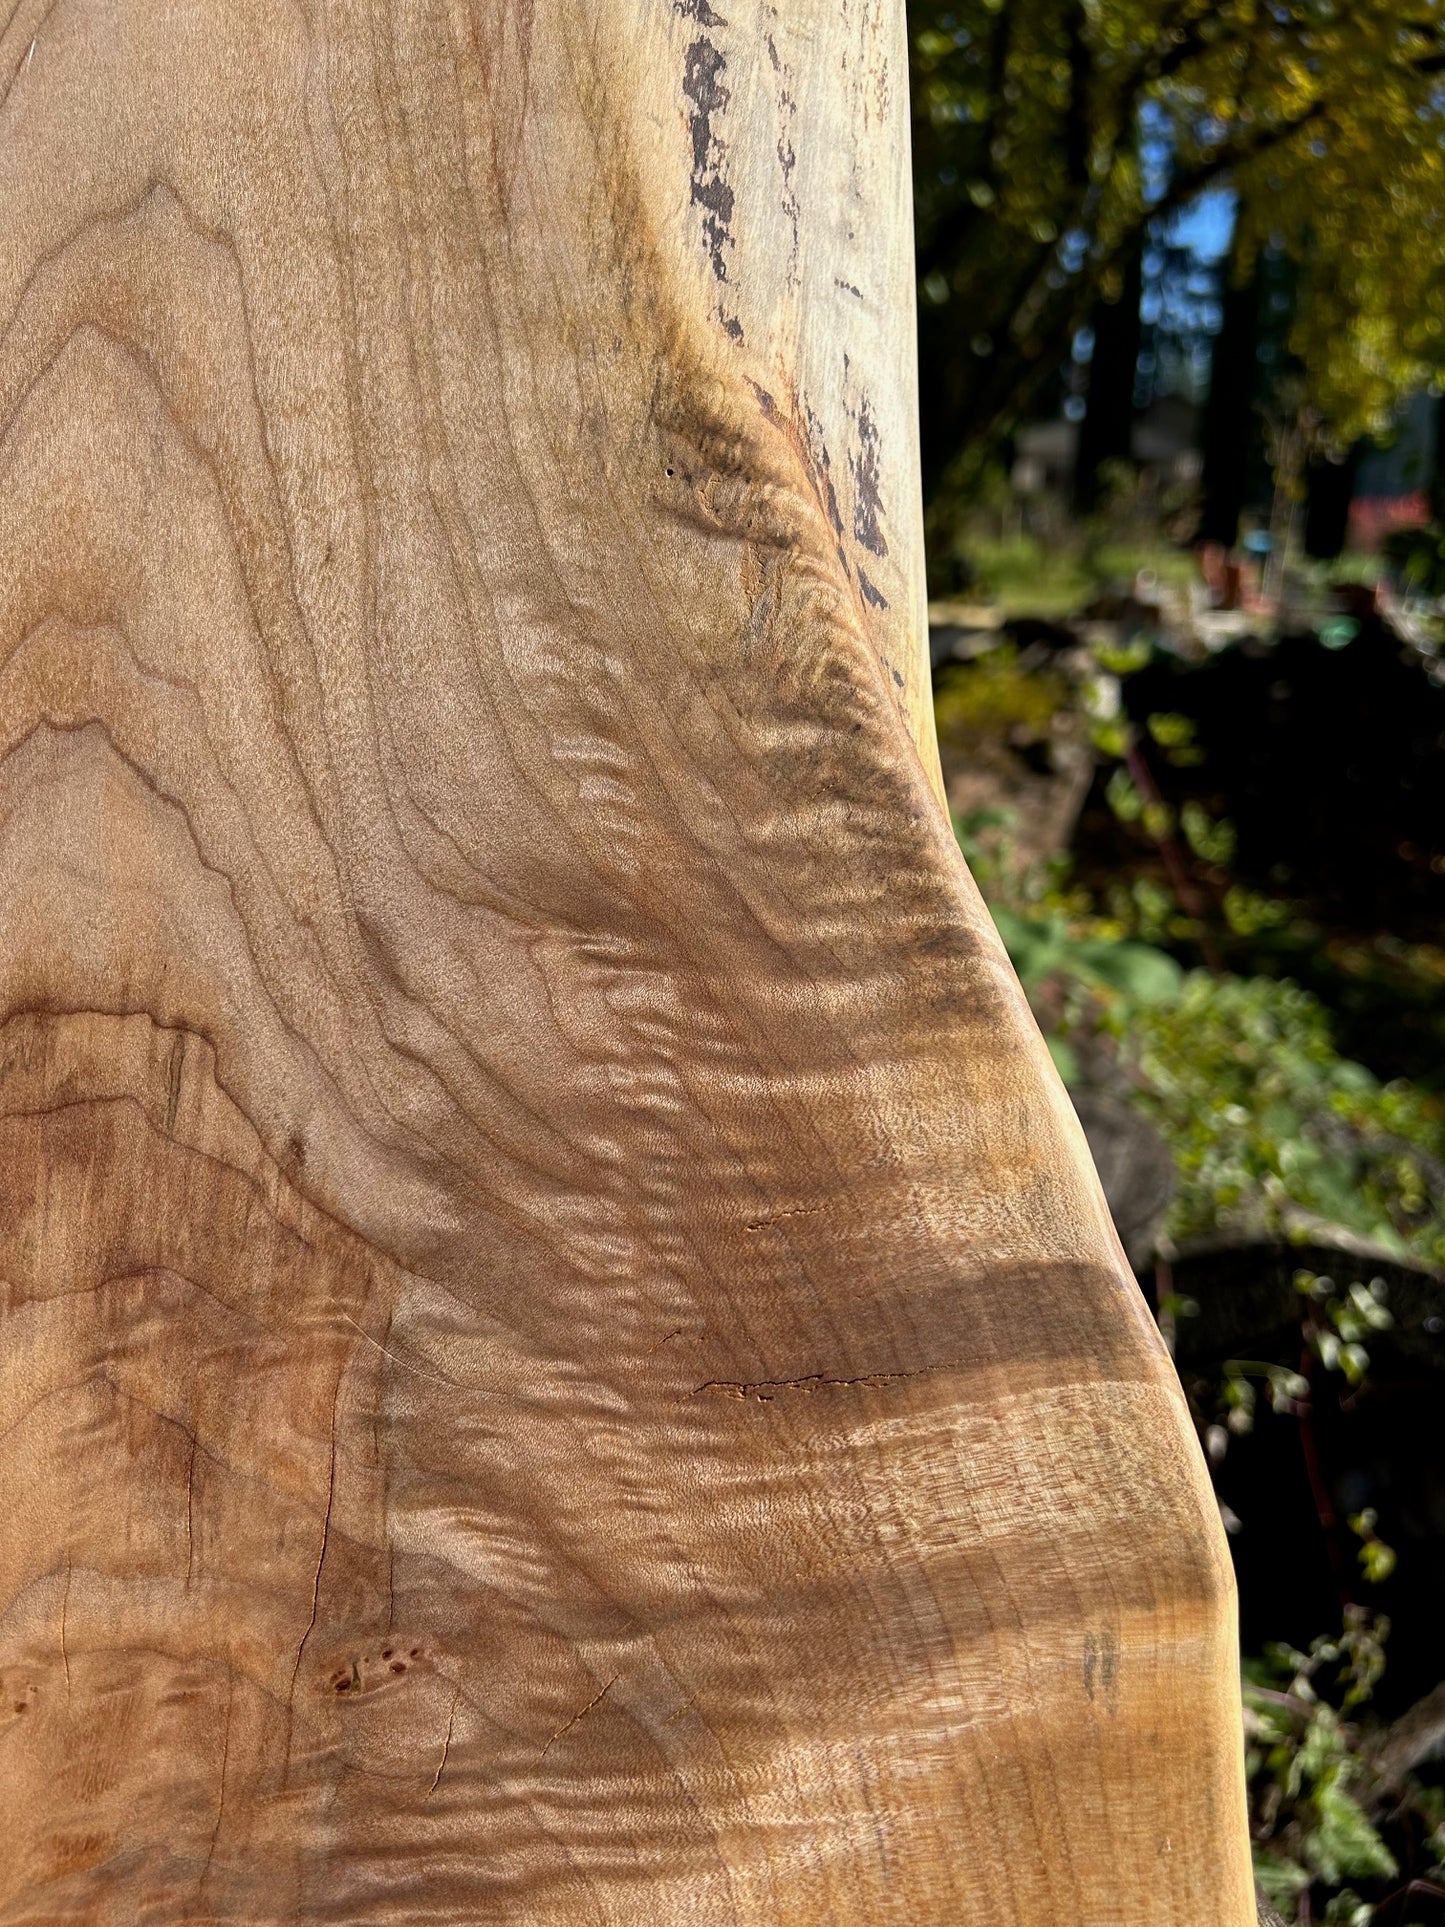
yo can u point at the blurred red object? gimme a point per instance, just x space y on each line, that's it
1372 517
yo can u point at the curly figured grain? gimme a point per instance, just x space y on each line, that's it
562 1357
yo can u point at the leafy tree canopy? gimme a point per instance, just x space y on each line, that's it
1049 134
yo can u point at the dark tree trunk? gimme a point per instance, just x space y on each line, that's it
1329 487
1229 428
1107 430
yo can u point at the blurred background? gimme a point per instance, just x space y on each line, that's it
1182 335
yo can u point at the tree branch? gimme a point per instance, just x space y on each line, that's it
1076 119
997 80
1418 1734
1185 187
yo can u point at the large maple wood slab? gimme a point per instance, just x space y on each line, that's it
561 1358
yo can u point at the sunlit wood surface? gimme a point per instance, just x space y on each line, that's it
562 1360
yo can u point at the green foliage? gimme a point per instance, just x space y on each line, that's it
1047 133
1309 1784
992 696
1337 1323
1123 658
1287 1390
1248 913
1046 948
986 838
1346 1909
1418 557
1123 797
1272 1131
1175 736
1345 1846
1023 576
1377 1560
981 548
1212 841
1141 908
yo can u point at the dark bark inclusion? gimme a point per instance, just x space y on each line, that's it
703 86
868 506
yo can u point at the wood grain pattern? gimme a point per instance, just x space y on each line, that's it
562 1357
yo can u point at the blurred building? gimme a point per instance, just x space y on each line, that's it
1164 438
1394 482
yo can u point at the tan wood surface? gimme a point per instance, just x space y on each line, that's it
561 1359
